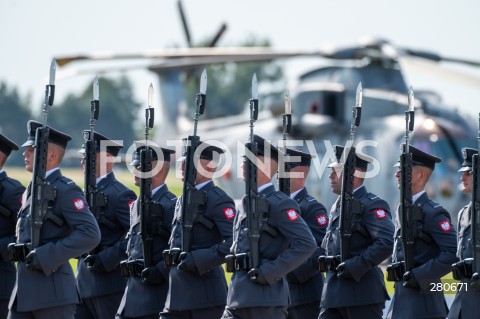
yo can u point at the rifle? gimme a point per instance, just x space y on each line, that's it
284 178
475 236
43 194
408 213
348 204
193 200
145 199
96 200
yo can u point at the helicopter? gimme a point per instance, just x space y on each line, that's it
322 101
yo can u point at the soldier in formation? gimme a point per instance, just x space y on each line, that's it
11 192
466 303
147 287
434 250
306 282
45 285
197 284
355 288
262 292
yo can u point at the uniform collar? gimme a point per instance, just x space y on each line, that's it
156 189
301 193
359 191
105 179
417 196
202 185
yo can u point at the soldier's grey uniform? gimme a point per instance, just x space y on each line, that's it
202 294
369 246
54 286
68 230
466 303
279 255
467 298
306 282
433 256
101 290
144 299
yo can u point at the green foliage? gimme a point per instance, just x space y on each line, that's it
229 85
118 112
13 122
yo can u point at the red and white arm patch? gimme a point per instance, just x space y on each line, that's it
229 213
380 213
322 220
292 214
130 203
79 204
445 226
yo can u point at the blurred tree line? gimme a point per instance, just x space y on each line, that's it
117 120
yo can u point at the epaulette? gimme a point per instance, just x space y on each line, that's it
278 195
170 196
118 186
66 180
217 191
432 203
372 196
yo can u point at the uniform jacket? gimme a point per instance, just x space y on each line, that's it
310 280
367 252
432 261
467 300
145 299
208 287
92 283
55 284
279 255
11 198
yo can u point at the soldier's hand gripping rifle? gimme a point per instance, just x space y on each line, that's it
95 200
475 236
193 200
284 165
349 206
42 193
145 199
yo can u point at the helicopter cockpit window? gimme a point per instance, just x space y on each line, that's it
319 102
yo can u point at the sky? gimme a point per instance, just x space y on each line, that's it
33 31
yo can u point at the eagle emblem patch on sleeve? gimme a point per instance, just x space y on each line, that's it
292 214
79 204
322 220
445 226
229 213
380 213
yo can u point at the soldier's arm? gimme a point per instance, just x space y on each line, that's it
379 225
223 216
168 214
84 235
316 218
443 233
301 241
120 205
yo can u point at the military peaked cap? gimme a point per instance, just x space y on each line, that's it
7 145
112 147
209 152
421 158
55 136
264 148
305 158
140 145
467 154
361 162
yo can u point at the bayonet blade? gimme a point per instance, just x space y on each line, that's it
358 98
288 103
53 67
254 87
96 89
411 100
203 82
150 95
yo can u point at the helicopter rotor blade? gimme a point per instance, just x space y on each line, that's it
186 29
